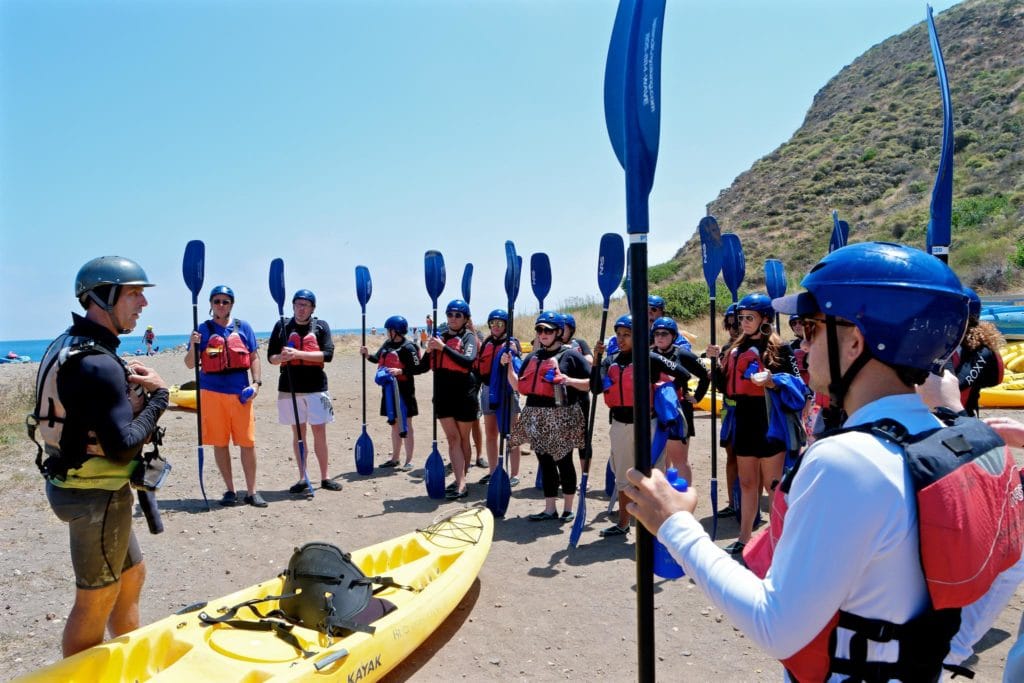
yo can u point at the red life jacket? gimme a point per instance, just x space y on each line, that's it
307 342
439 360
531 376
965 393
736 365
970 527
390 359
620 393
485 358
225 355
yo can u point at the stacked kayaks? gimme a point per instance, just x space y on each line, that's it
1009 319
440 561
1009 394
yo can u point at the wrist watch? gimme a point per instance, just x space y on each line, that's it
258 382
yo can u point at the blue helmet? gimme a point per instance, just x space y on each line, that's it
222 289
624 321
757 302
973 304
397 323
498 314
305 294
569 320
909 305
457 305
665 323
549 319
731 310
655 301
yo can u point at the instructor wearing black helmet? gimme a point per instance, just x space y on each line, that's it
95 412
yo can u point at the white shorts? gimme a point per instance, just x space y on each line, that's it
620 435
314 408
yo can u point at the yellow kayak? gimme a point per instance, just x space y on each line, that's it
1001 397
183 398
440 562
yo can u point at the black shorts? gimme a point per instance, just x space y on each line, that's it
103 543
412 409
750 435
455 396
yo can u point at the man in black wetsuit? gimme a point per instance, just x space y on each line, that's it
110 409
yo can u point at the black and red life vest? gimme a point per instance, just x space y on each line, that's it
307 342
531 375
619 393
225 355
736 365
440 360
970 528
390 359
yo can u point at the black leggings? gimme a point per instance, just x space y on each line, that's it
557 472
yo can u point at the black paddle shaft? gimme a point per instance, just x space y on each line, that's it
714 432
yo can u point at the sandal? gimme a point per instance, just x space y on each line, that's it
567 516
543 516
727 511
330 485
480 462
735 548
455 495
407 467
389 463
298 487
614 530
484 479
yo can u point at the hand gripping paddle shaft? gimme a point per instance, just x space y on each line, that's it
192 268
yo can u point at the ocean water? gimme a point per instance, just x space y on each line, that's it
130 345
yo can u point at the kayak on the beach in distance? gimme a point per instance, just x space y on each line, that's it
439 563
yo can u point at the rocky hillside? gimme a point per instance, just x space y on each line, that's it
869 148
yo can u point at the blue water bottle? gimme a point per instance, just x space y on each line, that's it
665 565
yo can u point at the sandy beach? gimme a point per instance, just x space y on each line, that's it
537 611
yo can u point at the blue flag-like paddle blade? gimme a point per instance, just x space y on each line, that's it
734 265
615 80
540 277
840 233
711 251
941 213
467 282
774 278
364 286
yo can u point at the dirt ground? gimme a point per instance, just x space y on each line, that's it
536 612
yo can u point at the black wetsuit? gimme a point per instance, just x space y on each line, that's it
409 359
674 358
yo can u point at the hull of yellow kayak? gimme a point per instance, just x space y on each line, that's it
183 398
441 561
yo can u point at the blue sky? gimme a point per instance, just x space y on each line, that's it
337 133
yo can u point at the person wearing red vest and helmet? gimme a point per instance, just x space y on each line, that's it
303 345
977 363
452 354
400 357
228 353
487 363
842 592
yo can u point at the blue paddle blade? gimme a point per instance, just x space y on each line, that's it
774 278
277 283
540 276
711 251
840 233
364 287
433 474
467 282
609 479
513 270
364 454
615 80
941 212
192 267
433 270
581 513
734 265
611 264
499 490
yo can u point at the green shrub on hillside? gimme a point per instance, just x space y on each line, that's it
662 271
973 211
685 300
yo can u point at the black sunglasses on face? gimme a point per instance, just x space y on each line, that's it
221 302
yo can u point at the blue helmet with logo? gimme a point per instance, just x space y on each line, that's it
624 321
498 314
665 323
569 320
222 289
757 302
909 305
549 319
457 306
731 310
655 301
397 323
305 294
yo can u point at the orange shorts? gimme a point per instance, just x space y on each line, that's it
224 418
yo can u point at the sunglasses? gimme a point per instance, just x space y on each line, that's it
796 322
811 327
222 302
544 330
454 314
663 333
746 317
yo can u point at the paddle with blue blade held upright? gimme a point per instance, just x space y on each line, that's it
277 292
364 444
610 264
840 233
775 282
467 282
711 260
433 468
540 282
734 264
940 221
192 268
499 488
632 94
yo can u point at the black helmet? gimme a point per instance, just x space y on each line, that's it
114 271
